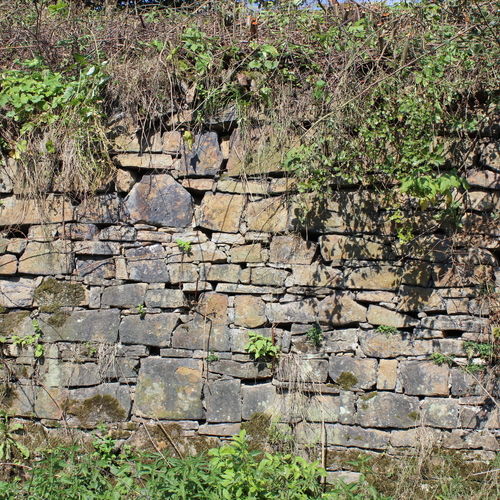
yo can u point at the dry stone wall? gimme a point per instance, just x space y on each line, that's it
145 294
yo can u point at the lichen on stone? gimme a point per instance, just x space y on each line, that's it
347 380
52 294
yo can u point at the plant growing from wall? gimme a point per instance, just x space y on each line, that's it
315 335
9 439
261 348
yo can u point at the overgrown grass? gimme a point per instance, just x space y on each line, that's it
386 94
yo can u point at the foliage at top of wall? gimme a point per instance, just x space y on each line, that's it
391 95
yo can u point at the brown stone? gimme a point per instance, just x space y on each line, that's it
484 201
221 212
198 184
268 215
387 374
17 292
315 275
242 187
16 211
47 258
146 160
484 178
338 247
375 278
246 253
291 250
341 309
391 345
8 264
124 180
230 273
172 142
382 316
249 311
416 299
301 311
268 276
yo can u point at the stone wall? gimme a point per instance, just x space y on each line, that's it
140 327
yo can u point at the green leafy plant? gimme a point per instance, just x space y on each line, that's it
480 349
212 357
388 330
141 309
184 246
261 348
315 335
9 442
32 340
442 359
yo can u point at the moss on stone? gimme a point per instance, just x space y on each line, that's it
53 293
257 429
414 415
101 407
3 309
58 319
367 396
347 380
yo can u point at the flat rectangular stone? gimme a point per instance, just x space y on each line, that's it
150 161
129 295
248 289
246 253
222 430
424 378
96 248
250 370
268 215
151 329
118 233
47 258
15 211
258 399
352 373
8 264
268 276
165 298
223 401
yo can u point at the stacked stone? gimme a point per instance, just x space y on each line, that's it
146 294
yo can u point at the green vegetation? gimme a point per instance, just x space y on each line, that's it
141 310
9 440
184 246
315 335
30 340
388 330
261 348
424 72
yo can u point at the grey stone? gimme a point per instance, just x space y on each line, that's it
463 323
96 268
204 158
249 289
343 435
463 384
56 373
424 378
81 326
377 315
301 311
183 273
340 340
223 401
268 276
310 370
165 298
16 292
118 233
130 295
230 273
248 371
75 231
353 374
159 200
257 399
440 412
338 247
96 248
222 430
101 209
386 409
147 264
152 329
316 275
169 389
201 333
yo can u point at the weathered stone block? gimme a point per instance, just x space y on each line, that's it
419 299
118 233
392 345
291 250
165 298
340 340
386 409
169 389
258 399
203 252
54 293
124 180
343 435
387 374
96 268
310 370
423 378
222 430
223 401
340 309
462 323
93 405
222 212
440 412
152 329
56 373
47 258
463 384
352 374
16 292
15 211
484 178
338 247
161 201
226 185
130 295
248 371
96 248
146 160
230 273
315 275
8 264
382 316
268 276
249 311
375 278
147 264
101 209
81 326
204 158
246 253
301 311
268 215
183 273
